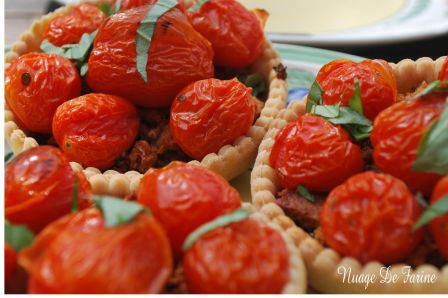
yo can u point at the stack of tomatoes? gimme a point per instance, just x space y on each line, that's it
378 161
97 71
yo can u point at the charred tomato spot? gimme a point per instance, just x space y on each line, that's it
166 25
181 97
26 79
281 71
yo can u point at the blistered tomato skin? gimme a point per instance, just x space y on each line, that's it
443 74
209 114
39 187
10 263
36 84
235 33
178 55
397 132
245 257
68 29
94 129
314 153
183 197
376 78
79 255
439 226
370 217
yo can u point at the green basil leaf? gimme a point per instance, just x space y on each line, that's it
105 7
117 211
198 5
9 157
221 221
75 196
436 86
145 32
255 81
314 96
437 209
50 48
355 101
433 147
359 133
18 236
303 192
84 68
117 6
421 200
330 111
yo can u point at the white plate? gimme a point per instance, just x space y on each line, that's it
353 22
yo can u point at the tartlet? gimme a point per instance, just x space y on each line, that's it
229 161
322 262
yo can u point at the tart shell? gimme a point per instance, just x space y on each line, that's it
323 263
229 162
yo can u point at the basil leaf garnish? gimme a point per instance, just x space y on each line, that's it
117 6
304 192
145 33
78 52
198 5
355 101
432 155
421 200
436 86
255 81
314 96
106 8
437 209
117 211
18 236
8 157
218 222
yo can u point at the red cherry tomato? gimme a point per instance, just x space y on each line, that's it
370 217
209 114
183 197
39 187
376 79
245 257
439 226
79 255
314 153
94 129
236 33
178 55
36 84
10 263
443 74
68 29
128 4
396 134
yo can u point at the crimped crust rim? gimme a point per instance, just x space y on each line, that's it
322 263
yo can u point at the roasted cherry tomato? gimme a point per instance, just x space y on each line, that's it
236 33
128 4
376 79
439 226
314 153
10 263
68 29
36 84
443 74
79 255
245 257
370 217
178 55
209 114
39 187
183 197
397 132
94 129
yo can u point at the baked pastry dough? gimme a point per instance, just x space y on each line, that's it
322 263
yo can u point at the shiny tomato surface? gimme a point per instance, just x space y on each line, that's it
209 114
397 132
79 255
376 79
443 74
236 33
36 84
314 153
178 55
439 226
68 29
94 129
370 217
10 263
183 197
39 187
246 257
